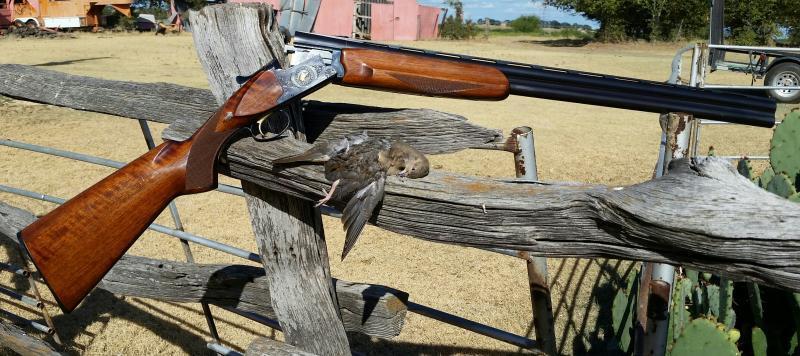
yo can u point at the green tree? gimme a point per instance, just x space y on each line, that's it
454 27
526 24
752 22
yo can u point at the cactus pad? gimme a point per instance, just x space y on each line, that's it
712 295
702 337
745 168
693 275
759 340
679 315
784 151
726 314
622 310
622 315
781 185
766 177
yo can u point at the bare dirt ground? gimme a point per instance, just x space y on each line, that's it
574 143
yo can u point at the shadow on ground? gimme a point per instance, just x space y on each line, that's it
561 42
71 61
582 289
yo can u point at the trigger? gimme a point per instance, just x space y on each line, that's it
270 127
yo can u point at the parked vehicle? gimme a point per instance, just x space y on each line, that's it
58 13
778 67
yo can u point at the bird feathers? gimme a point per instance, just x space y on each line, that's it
359 210
361 165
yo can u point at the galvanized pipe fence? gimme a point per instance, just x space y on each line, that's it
537 267
657 279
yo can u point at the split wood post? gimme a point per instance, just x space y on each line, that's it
236 40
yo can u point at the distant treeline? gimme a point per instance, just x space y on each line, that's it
542 24
747 22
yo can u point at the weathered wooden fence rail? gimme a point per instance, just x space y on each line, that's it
701 215
366 308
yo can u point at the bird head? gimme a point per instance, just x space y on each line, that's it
408 161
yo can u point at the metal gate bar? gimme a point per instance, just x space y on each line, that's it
447 318
185 237
176 219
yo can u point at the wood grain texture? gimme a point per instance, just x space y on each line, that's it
731 227
235 40
264 346
287 238
75 244
160 102
188 108
373 310
405 73
370 309
430 131
20 342
288 230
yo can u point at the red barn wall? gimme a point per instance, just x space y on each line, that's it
406 20
335 18
428 22
403 20
382 22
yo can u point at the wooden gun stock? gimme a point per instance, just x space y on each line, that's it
76 244
407 73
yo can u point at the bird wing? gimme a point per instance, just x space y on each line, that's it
323 151
320 152
359 210
356 168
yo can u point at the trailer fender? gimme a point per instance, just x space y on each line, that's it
774 62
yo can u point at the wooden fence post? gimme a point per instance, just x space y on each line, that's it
236 40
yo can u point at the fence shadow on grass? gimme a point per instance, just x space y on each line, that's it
561 42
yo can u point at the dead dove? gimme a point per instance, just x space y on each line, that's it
358 166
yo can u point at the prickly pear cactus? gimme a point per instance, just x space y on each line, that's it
622 311
679 316
784 152
745 168
756 307
727 315
712 295
766 177
704 337
782 185
759 340
693 275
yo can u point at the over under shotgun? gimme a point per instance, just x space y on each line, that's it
391 62
76 244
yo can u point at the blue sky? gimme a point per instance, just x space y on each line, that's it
511 9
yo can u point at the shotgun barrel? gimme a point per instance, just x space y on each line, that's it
588 88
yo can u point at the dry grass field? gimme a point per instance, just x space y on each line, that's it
574 143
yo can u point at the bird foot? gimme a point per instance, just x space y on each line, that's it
328 195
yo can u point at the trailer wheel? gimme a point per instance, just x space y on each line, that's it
784 74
